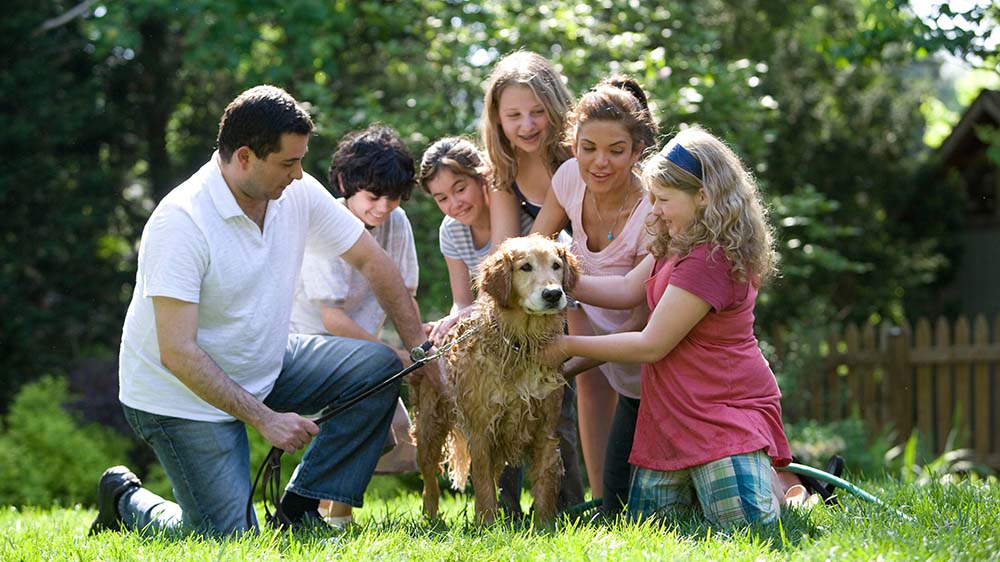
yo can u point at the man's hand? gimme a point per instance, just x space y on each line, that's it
287 431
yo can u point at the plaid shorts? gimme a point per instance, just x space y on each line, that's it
731 491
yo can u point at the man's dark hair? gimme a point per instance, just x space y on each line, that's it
374 159
258 118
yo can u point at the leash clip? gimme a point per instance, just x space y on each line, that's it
419 353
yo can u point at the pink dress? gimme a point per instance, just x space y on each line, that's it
618 258
713 395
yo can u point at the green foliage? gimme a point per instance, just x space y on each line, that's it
64 256
876 455
821 99
813 444
952 465
967 30
990 136
49 456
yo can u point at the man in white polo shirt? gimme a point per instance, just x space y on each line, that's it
205 345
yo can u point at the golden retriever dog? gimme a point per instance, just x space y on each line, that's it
506 401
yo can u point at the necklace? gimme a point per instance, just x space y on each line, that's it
597 208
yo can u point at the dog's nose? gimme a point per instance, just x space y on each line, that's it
552 296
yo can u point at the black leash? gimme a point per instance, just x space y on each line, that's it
270 469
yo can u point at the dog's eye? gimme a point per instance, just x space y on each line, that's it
526 267
556 266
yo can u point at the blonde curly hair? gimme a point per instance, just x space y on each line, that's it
732 219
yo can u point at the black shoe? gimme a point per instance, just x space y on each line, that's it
296 512
114 482
308 520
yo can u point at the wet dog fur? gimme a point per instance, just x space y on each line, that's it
506 401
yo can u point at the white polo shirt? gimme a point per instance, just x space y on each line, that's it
198 246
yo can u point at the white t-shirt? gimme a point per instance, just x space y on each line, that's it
327 281
198 246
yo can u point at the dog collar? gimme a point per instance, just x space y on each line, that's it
516 346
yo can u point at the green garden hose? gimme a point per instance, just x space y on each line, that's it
581 508
818 474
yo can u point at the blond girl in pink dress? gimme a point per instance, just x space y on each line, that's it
709 425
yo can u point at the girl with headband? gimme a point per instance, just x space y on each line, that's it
709 428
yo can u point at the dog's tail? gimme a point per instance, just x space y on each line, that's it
459 460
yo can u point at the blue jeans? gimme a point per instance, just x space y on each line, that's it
208 463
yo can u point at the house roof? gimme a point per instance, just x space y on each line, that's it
962 141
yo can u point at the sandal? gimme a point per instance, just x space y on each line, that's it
834 466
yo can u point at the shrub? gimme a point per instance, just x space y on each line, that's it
914 463
813 443
50 456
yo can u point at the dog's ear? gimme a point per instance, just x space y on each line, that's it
571 268
495 276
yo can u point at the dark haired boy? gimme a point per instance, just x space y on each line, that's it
371 172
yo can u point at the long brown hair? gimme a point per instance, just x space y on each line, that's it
619 99
535 72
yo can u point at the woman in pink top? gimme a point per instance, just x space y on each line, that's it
710 420
600 194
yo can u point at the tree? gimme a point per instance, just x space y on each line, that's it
820 98
64 263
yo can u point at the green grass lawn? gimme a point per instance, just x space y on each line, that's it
953 521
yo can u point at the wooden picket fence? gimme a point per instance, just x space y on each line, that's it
925 378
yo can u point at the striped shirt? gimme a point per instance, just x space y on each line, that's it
456 242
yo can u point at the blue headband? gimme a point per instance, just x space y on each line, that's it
680 156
